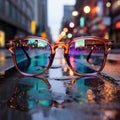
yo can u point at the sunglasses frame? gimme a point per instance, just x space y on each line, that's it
11 45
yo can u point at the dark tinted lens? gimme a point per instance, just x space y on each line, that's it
86 56
32 56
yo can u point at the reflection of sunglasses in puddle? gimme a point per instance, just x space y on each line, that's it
93 89
31 93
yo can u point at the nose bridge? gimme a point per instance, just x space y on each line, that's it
60 45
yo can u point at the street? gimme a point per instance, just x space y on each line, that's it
34 98
59 94
59 59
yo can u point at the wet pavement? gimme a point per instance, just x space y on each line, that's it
112 69
6 61
58 95
87 98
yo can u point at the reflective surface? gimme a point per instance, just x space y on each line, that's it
59 95
40 98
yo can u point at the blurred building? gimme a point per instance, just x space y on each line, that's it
67 22
115 14
21 18
41 17
16 17
67 16
102 20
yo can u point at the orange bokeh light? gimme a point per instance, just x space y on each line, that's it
117 25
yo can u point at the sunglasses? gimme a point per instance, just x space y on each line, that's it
34 56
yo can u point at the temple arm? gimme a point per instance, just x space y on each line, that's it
89 55
9 46
28 57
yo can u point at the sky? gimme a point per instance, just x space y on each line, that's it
55 14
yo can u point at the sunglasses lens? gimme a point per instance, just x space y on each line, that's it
32 55
86 56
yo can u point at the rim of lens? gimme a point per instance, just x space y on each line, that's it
33 74
104 53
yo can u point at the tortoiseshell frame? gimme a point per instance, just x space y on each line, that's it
11 47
